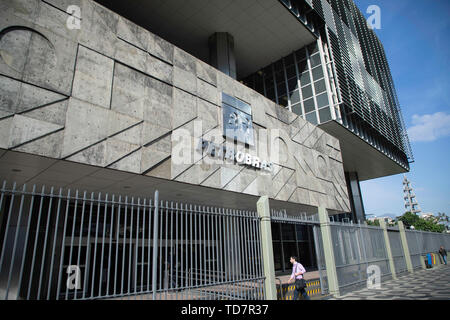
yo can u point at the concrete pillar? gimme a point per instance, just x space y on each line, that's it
401 228
388 249
354 193
267 248
221 53
333 285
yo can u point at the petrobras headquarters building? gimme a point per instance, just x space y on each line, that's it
137 137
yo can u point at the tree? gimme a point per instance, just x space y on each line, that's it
410 219
375 223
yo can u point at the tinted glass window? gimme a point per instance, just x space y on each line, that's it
319 86
325 114
317 73
309 105
322 100
305 79
307 92
311 117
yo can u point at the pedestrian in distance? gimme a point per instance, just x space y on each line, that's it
443 253
297 275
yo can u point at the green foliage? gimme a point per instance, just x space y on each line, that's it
410 219
375 223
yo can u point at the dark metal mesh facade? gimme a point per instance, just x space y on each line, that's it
368 103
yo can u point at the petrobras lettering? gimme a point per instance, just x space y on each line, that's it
229 154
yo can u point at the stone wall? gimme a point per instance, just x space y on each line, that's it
111 94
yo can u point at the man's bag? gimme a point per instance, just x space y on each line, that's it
300 284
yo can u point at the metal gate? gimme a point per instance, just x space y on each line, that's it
314 287
77 245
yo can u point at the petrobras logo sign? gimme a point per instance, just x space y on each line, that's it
228 153
237 120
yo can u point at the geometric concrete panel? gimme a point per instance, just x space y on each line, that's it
129 92
16 96
207 91
93 78
48 146
87 124
160 48
24 129
99 28
185 80
132 33
5 132
104 153
184 108
130 163
133 98
50 61
159 69
131 56
53 113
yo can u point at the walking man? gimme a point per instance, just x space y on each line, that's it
443 253
297 275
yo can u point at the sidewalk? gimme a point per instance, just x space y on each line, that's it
429 284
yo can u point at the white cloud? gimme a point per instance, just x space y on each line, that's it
429 127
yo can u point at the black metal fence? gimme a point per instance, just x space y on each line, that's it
66 244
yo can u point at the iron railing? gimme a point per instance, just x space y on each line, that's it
67 245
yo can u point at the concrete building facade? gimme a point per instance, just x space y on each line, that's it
128 98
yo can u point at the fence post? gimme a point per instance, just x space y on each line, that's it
333 285
267 248
388 248
401 228
155 245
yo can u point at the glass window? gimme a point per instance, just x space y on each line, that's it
304 254
317 73
315 60
279 76
275 231
301 54
289 60
322 100
269 83
311 117
270 94
307 92
319 86
295 97
287 231
324 114
290 72
283 100
292 84
302 66
278 65
277 255
309 105
289 249
281 88
312 48
301 232
297 109
305 79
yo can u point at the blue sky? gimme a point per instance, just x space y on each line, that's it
416 37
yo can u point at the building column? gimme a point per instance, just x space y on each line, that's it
330 264
406 254
221 53
270 288
388 249
354 193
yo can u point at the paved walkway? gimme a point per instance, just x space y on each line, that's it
429 284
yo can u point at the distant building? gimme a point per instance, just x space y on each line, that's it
409 196
427 216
